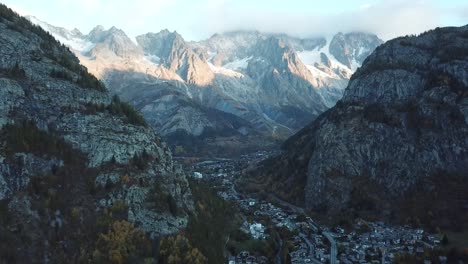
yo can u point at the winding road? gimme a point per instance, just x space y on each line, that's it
299 210
311 248
333 250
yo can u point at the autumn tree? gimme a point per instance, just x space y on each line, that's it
123 243
178 250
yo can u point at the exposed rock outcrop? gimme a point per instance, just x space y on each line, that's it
177 56
399 133
57 120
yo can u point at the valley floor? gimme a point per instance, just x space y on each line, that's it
278 232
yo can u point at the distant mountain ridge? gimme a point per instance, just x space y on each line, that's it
273 82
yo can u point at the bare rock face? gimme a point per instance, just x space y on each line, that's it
16 176
114 40
276 66
325 60
177 56
11 93
46 95
352 49
399 132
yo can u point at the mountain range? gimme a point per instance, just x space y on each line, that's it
236 90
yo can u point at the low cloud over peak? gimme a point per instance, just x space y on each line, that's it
201 19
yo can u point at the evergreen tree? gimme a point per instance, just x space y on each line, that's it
445 240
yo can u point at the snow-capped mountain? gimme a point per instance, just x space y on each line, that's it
238 84
352 49
331 61
74 39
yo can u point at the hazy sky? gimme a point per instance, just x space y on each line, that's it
198 19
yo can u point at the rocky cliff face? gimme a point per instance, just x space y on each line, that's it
399 133
70 153
177 56
183 122
275 66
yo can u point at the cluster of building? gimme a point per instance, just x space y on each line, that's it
256 230
382 243
302 252
244 257
366 242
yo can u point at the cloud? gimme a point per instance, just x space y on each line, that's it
388 19
365 6
202 18
130 16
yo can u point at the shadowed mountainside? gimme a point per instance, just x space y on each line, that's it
394 146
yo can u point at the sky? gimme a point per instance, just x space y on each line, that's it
199 19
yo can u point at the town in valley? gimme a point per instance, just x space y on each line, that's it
366 242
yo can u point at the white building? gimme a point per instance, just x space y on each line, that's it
197 175
257 231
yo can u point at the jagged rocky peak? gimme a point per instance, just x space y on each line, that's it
302 44
161 44
280 53
178 56
233 40
275 65
348 50
272 47
113 40
71 154
352 48
398 134
283 58
96 34
77 32
229 46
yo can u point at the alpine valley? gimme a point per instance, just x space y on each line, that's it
244 148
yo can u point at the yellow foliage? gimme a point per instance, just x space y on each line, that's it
121 241
178 250
201 206
125 179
